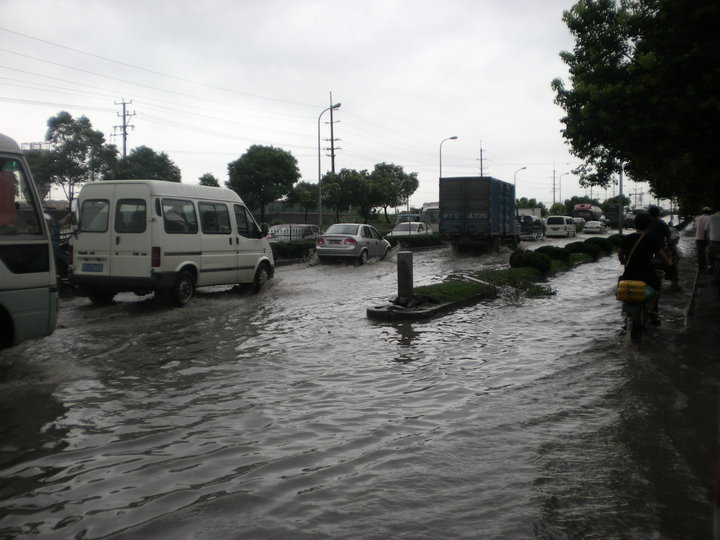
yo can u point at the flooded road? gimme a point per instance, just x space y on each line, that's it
290 414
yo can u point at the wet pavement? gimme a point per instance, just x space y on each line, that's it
290 413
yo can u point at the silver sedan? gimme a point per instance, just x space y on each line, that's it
351 241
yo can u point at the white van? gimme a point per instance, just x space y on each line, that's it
560 226
164 237
28 283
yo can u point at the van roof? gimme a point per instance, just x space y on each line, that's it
176 189
8 145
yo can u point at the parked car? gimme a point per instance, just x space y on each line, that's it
531 227
560 226
290 232
592 227
410 228
351 241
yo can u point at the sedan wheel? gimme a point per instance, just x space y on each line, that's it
363 257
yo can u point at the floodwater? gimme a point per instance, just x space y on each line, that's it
291 414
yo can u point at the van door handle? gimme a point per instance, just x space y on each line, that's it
230 241
117 240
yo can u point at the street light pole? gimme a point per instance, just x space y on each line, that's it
332 107
454 137
515 176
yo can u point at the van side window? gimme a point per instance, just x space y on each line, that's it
179 216
94 215
130 216
246 225
214 217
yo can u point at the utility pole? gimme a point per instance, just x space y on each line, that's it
482 168
125 125
553 184
332 137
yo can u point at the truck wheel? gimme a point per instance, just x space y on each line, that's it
101 297
262 276
183 289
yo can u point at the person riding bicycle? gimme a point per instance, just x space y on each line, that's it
636 254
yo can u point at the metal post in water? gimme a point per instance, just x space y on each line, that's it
405 275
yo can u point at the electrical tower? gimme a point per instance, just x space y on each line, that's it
125 123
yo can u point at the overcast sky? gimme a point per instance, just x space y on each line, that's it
209 79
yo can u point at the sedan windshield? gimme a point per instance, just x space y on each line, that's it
342 229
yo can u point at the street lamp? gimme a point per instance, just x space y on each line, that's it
515 175
454 137
336 106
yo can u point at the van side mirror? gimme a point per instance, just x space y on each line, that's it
263 230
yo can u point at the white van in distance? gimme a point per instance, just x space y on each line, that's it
154 236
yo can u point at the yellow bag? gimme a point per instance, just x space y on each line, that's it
633 291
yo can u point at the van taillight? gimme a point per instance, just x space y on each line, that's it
155 256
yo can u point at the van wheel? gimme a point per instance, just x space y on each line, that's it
101 298
184 288
262 276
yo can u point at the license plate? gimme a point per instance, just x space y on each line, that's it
334 241
92 267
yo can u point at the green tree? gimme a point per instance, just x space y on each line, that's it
558 209
144 163
304 195
643 93
392 186
263 174
42 167
208 179
80 152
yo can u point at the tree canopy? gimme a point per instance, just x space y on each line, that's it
143 162
643 95
263 174
208 179
78 153
305 195
392 185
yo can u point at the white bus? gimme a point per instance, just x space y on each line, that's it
28 283
165 237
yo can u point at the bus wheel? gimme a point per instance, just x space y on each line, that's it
184 288
99 297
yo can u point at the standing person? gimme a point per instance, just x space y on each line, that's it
713 229
636 253
701 238
660 235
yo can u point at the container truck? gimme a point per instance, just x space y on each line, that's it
479 212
